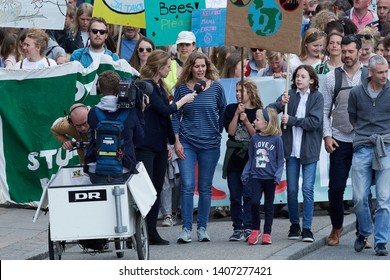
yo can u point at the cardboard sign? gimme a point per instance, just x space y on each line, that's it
266 24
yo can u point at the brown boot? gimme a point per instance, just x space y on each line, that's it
334 237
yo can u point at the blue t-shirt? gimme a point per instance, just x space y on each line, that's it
127 48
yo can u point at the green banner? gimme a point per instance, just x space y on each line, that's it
31 100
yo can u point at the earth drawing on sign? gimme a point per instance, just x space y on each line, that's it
264 17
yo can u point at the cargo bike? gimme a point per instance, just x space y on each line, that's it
83 213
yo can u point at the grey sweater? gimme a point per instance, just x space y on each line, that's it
311 125
370 116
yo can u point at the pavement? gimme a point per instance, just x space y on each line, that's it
21 239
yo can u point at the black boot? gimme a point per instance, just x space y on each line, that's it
155 238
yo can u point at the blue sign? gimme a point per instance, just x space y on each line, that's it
208 26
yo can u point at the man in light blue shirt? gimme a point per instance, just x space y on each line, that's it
97 33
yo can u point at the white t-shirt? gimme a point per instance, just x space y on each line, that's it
295 62
27 64
95 55
84 37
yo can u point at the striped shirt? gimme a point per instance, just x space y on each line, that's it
200 123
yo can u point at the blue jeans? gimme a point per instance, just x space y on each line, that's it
361 184
340 164
207 162
108 179
240 199
293 167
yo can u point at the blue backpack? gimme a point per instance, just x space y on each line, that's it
109 143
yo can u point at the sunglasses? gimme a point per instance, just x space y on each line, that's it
352 39
256 49
307 13
365 36
184 44
317 34
101 31
149 50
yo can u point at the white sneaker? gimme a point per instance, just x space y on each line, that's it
185 236
167 222
203 235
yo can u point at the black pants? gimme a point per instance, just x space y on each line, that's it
340 164
156 165
258 187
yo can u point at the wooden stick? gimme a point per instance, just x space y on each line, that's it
287 81
118 45
242 75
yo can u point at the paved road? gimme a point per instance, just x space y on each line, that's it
344 251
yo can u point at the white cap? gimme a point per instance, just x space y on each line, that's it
186 37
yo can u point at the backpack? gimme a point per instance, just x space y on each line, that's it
109 143
339 80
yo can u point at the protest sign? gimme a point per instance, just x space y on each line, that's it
121 12
28 14
208 26
165 19
31 100
265 24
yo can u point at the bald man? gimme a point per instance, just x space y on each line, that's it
74 126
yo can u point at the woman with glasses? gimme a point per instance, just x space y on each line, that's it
144 48
256 63
158 131
310 50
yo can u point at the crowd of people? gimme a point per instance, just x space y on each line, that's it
181 128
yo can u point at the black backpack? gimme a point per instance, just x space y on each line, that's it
339 80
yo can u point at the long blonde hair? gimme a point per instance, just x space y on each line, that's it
311 35
273 127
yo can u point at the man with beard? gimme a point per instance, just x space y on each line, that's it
97 33
131 35
338 133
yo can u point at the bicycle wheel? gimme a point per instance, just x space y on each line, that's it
55 249
141 237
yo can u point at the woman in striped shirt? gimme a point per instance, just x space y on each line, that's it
198 127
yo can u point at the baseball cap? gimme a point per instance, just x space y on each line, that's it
186 37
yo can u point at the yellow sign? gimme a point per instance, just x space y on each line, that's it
121 12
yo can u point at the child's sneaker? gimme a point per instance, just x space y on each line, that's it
254 237
266 239
246 233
